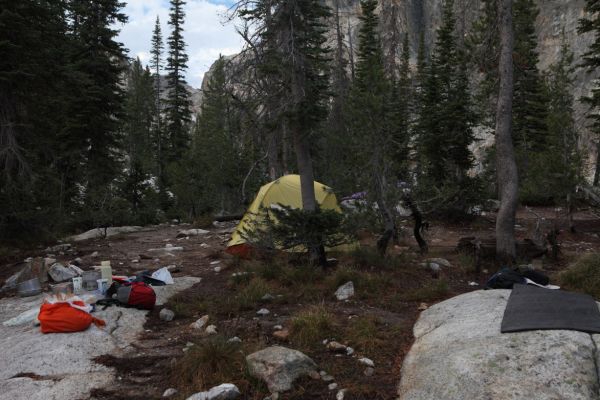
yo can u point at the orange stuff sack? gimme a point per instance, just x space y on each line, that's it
63 318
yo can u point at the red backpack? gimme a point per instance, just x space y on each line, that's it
137 294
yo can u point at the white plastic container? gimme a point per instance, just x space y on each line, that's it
106 271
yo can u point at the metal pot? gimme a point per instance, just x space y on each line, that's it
30 287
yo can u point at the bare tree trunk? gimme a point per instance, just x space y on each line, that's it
350 51
506 166
597 171
307 187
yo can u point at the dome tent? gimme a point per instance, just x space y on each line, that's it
285 191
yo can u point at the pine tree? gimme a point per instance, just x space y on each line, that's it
138 127
591 61
157 64
294 54
177 107
94 122
371 120
400 112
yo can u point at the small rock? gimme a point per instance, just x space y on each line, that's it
340 394
211 330
217 269
314 375
282 334
366 361
166 315
60 273
225 391
262 312
215 262
234 339
423 307
349 351
336 347
327 378
473 284
94 254
332 386
369 371
435 269
279 367
277 327
169 392
267 297
199 324
440 261
345 291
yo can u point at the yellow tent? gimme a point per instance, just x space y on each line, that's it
286 191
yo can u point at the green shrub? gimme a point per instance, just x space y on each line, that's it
363 333
583 276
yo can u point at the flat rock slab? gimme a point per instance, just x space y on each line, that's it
59 366
459 353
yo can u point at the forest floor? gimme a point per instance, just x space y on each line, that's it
377 322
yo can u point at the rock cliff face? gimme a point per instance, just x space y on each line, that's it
401 16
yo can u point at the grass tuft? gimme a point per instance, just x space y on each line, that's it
311 326
430 292
363 333
583 276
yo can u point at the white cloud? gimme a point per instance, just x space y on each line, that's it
206 32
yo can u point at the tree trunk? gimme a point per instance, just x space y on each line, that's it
307 187
597 171
506 166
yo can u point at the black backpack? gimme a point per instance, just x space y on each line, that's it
505 279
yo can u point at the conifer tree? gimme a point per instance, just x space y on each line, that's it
371 119
157 64
591 61
292 39
177 107
138 126
94 118
401 110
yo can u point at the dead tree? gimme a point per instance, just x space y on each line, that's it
506 165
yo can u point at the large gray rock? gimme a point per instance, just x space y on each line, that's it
279 367
101 233
459 353
225 391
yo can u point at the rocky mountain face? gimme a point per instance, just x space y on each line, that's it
411 16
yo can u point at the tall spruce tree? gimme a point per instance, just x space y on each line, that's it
292 37
97 62
371 120
591 61
158 131
177 105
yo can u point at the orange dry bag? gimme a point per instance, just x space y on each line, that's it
63 317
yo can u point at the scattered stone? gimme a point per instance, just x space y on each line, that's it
349 351
279 367
423 307
340 394
282 334
191 232
101 233
435 269
369 371
199 324
277 327
345 291
314 375
166 315
336 347
366 361
225 391
94 254
167 249
262 312
440 261
332 386
135 261
170 392
267 297
58 248
48 261
327 378
204 245
60 273
473 284
217 262
211 330
217 269
234 339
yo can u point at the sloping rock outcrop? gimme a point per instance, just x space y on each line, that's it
459 353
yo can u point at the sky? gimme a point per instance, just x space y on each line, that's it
206 32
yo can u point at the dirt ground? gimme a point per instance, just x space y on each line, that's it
377 322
